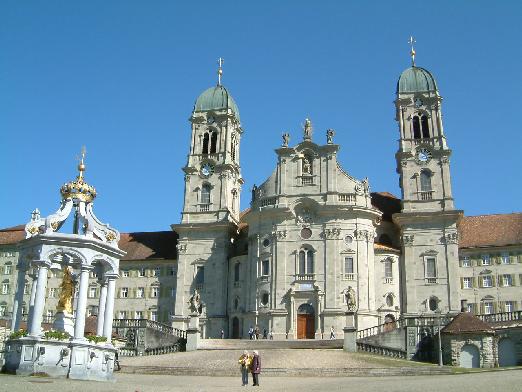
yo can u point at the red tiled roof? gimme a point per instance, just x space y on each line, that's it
387 203
149 245
466 323
383 247
12 235
490 230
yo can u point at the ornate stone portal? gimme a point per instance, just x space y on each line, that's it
93 246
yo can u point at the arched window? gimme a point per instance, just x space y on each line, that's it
205 194
310 262
425 180
389 300
416 128
306 261
425 127
205 143
236 272
236 303
433 303
213 142
302 262
264 299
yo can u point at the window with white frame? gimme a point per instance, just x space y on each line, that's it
156 271
138 314
122 314
265 267
505 258
467 283
388 270
3 310
348 268
205 194
154 292
154 315
487 281
507 280
52 292
140 292
431 269
92 292
509 306
488 307
172 271
141 272
125 273
306 261
5 288
469 308
8 269
486 260
466 261
124 292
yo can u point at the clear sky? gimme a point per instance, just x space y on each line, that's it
121 77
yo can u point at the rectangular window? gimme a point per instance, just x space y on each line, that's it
265 268
487 281
348 265
507 280
124 292
505 258
154 315
156 271
52 292
138 314
200 275
8 269
140 292
92 292
172 271
431 270
467 283
122 314
154 292
469 308
466 262
509 306
388 271
486 260
125 273
488 307
141 272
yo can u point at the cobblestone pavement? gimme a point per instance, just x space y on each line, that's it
276 359
507 380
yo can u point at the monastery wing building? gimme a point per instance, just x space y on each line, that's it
315 242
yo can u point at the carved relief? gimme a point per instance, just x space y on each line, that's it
367 235
332 233
182 247
452 238
407 240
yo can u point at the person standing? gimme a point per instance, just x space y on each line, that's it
244 363
332 333
251 333
256 368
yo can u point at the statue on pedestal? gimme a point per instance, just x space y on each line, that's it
351 302
63 320
195 303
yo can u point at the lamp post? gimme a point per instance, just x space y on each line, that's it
439 315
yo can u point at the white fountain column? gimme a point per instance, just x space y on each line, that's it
109 306
101 306
32 297
35 328
19 297
81 305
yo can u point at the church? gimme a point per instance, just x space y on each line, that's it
316 242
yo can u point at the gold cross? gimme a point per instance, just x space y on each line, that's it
220 70
412 52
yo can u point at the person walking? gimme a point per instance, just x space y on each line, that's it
332 333
256 368
251 333
245 361
271 335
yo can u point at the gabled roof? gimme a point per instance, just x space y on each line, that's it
466 323
490 230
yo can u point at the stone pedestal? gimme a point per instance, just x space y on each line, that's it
350 333
193 333
63 321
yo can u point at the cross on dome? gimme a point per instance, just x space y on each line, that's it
220 70
412 41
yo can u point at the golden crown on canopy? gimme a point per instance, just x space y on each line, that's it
79 189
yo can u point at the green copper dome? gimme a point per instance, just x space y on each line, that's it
216 98
416 79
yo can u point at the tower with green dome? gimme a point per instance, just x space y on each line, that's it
428 218
211 207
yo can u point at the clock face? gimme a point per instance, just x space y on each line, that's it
418 103
423 155
207 169
210 120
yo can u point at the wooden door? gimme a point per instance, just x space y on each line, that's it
305 326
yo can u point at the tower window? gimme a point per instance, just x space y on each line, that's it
425 180
425 127
200 275
306 262
416 128
388 270
431 270
265 268
213 142
205 194
205 143
236 272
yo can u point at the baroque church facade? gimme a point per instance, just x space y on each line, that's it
315 243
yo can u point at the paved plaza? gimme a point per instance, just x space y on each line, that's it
503 380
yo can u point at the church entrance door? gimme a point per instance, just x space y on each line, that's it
305 322
235 328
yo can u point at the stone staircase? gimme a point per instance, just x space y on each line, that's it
263 344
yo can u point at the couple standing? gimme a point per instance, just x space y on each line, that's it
250 363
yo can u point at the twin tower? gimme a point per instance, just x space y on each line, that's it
250 274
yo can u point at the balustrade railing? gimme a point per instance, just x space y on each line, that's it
381 350
304 277
501 317
346 197
426 195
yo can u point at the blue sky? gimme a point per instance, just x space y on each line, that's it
121 77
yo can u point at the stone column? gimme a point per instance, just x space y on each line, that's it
81 304
109 307
101 307
32 298
35 329
19 298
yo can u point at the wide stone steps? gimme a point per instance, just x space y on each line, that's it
246 344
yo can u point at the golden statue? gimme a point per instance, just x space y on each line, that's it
67 293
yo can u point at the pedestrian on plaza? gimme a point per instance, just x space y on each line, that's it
265 334
222 334
271 335
256 368
332 333
257 332
245 361
251 333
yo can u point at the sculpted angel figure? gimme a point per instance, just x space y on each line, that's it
67 292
